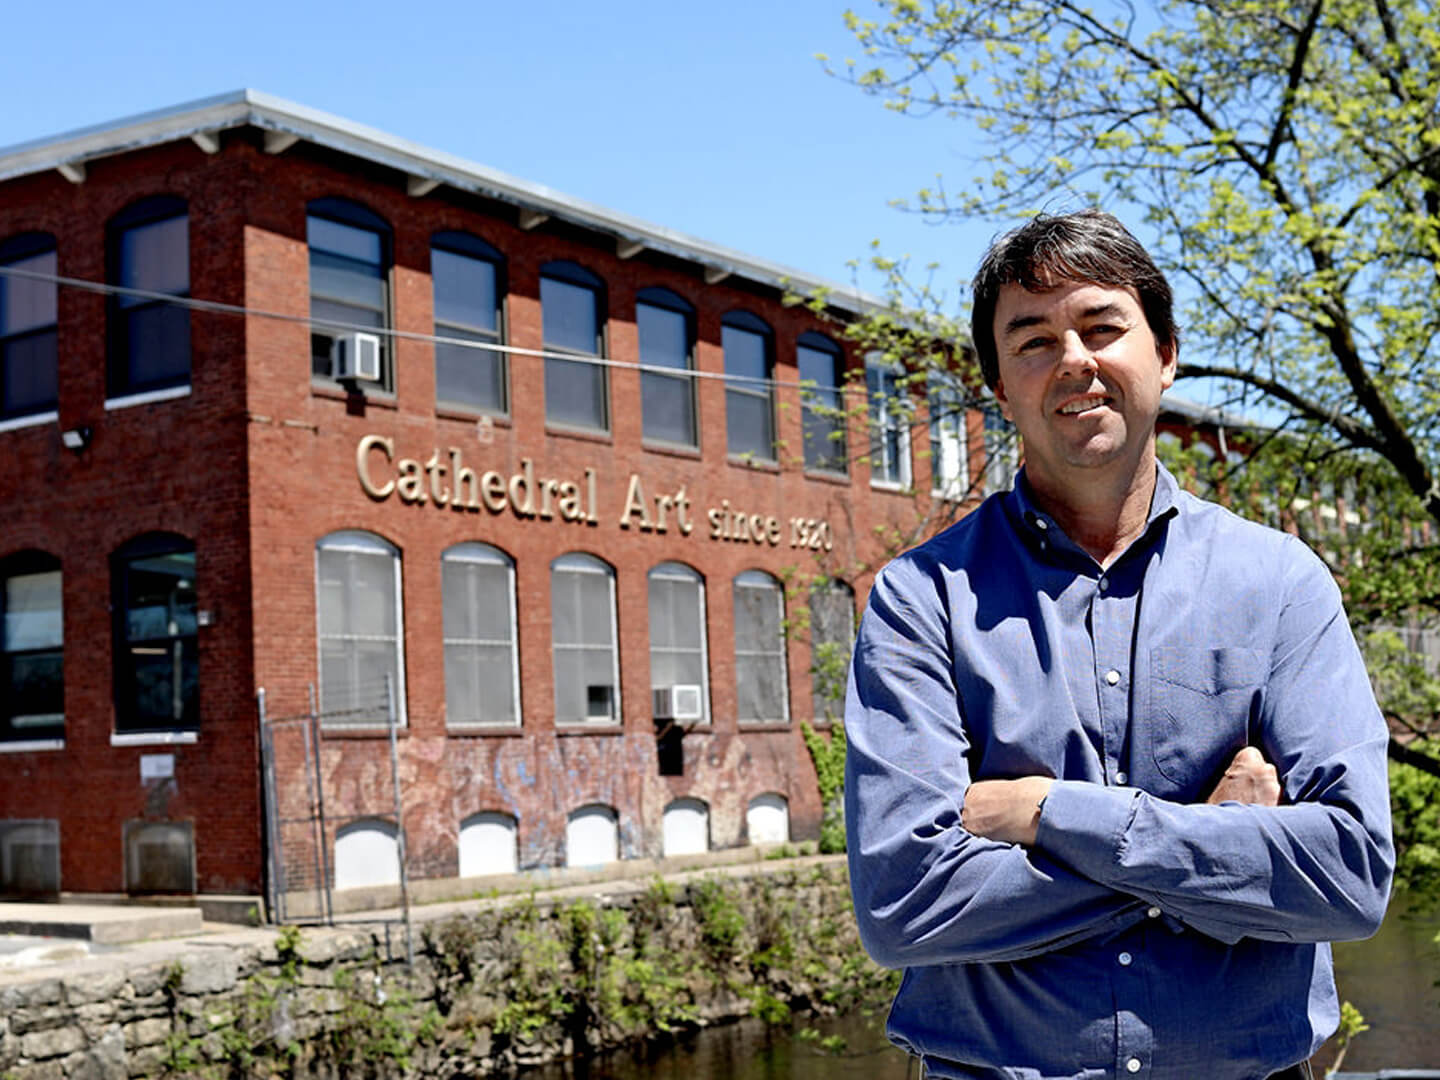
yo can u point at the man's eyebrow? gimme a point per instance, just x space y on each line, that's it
1109 310
1021 322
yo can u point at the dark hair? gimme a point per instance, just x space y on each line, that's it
1088 245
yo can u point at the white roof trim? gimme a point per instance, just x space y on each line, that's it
242 108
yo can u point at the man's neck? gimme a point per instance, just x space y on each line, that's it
1102 518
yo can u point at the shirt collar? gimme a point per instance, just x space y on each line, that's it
1039 527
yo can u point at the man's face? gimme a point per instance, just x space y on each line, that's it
1081 378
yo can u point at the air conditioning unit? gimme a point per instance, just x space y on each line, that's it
356 356
679 702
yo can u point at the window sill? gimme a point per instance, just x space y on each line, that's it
758 464
764 725
680 450
328 388
891 488
503 731
595 435
825 476
572 727
33 420
471 413
361 731
154 738
26 746
148 397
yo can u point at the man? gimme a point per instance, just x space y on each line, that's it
1116 774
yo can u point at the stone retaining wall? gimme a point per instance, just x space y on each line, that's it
497 984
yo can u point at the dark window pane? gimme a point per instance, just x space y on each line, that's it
26 304
466 376
464 290
157 338
745 355
346 281
37 690
575 393
668 404
824 420
158 678
569 315
346 241
28 368
748 421
156 257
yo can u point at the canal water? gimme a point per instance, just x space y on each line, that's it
1390 979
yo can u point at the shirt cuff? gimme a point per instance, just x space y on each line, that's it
1084 825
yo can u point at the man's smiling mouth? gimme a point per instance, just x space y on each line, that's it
1082 405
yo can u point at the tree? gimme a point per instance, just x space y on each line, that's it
1286 159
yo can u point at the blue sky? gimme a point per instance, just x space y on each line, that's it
711 118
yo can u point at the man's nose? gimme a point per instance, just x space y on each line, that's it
1076 358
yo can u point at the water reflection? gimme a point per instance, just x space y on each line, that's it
751 1051
1391 980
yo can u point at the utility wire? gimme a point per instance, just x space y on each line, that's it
216 307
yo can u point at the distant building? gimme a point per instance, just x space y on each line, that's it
237 458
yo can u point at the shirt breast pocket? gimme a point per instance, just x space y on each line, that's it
1201 701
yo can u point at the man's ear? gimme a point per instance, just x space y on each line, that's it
999 391
1169 361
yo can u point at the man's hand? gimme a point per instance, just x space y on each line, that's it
1005 810
1248 779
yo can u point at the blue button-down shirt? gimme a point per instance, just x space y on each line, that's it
1144 934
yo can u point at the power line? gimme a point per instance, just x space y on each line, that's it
216 307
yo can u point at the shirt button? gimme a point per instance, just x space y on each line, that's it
1122 778
1104 583
1133 1065
1041 524
1112 676
1125 959
1153 913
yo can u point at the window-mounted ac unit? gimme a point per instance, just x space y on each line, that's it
356 356
679 702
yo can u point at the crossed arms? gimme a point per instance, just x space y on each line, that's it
1291 845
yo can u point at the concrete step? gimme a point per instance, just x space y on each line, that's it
104 924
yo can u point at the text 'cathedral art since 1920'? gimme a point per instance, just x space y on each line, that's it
444 480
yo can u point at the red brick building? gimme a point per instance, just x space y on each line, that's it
254 439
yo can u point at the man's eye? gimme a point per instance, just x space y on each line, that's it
1031 344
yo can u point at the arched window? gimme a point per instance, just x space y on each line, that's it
29 857
359 617
32 648
148 250
582 627
686 828
749 348
157 677
677 637
822 378
666 327
29 384
1002 451
890 414
482 677
949 436
592 836
761 687
159 857
367 853
832 638
488 845
767 819
349 284
572 315
467 276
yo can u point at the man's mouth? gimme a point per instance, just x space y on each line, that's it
1083 404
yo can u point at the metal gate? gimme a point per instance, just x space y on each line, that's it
299 831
